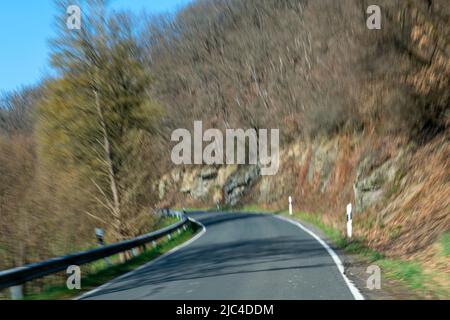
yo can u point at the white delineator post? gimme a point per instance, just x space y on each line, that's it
16 292
290 205
349 220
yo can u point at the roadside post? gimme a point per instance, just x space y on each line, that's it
290 205
99 235
16 292
101 242
349 220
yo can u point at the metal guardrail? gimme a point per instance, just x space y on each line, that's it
19 276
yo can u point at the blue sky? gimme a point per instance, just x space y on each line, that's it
26 26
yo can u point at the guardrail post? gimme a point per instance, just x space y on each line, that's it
16 292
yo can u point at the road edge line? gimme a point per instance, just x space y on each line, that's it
168 253
353 289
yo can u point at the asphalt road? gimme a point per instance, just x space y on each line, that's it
240 256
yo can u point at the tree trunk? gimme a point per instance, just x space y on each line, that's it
118 226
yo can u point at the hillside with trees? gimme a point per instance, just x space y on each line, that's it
91 146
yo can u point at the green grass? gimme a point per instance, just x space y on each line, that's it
101 273
188 209
408 272
165 222
445 244
250 208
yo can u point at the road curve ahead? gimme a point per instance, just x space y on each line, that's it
240 256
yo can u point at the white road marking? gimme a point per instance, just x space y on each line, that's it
185 244
355 292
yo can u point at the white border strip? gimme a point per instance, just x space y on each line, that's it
355 292
185 244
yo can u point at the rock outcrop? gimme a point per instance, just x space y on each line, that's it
381 178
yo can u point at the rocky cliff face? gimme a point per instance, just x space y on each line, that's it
224 185
399 191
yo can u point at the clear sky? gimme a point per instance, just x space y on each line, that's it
26 27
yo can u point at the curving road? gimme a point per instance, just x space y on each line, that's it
240 256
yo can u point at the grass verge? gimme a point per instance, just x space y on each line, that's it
100 273
445 244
